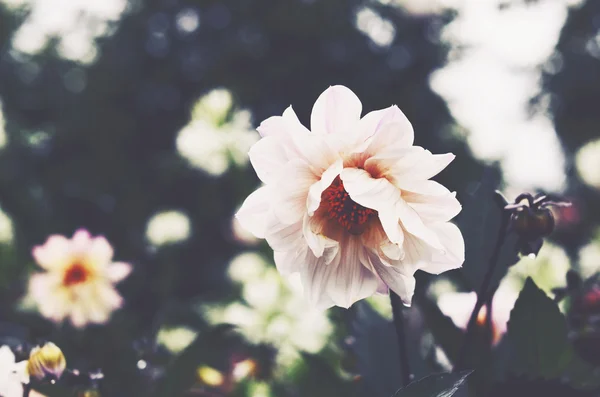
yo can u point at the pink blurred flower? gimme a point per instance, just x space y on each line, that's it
349 204
459 305
78 279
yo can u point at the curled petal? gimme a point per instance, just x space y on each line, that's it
452 255
440 208
423 166
337 110
378 194
399 281
319 244
317 188
283 237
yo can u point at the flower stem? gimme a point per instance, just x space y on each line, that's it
397 307
482 295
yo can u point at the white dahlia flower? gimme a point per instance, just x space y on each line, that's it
349 204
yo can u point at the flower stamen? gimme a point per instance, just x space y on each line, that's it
346 212
77 273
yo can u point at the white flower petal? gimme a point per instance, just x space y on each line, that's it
336 111
291 192
433 208
316 150
384 128
7 357
268 157
426 166
100 251
253 215
378 194
397 279
118 271
319 244
54 254
289 262
286 124
351 280
453 254
283 237
317 188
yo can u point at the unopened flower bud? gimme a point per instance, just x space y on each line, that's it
46 362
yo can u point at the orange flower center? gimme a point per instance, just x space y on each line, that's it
77 273
346 212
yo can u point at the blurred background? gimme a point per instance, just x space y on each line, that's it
133 119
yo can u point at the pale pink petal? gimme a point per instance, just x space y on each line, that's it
336 111
413 224
81 240
417 253
283 237
7 357
378 194
100 252
452 255
433 208
317 188
268 157
54 254
78 315
118 271
289 262
386 128
397 279
288 123
316 149
109 296
426 166
253 214
319 244
291 192
315 276
351 280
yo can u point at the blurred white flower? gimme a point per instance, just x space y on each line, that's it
274 311
349 205
217 135
587 161
12 375
168 227
3 137
78 279
176 339
6 228
75 24
380 30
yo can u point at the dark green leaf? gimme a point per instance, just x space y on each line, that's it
480 222
537 335
438 385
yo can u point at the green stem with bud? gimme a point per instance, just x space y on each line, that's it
483 295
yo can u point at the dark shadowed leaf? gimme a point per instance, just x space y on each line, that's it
523 387
438 385
537 335
479 221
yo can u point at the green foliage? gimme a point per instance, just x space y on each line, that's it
438 385
537 341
